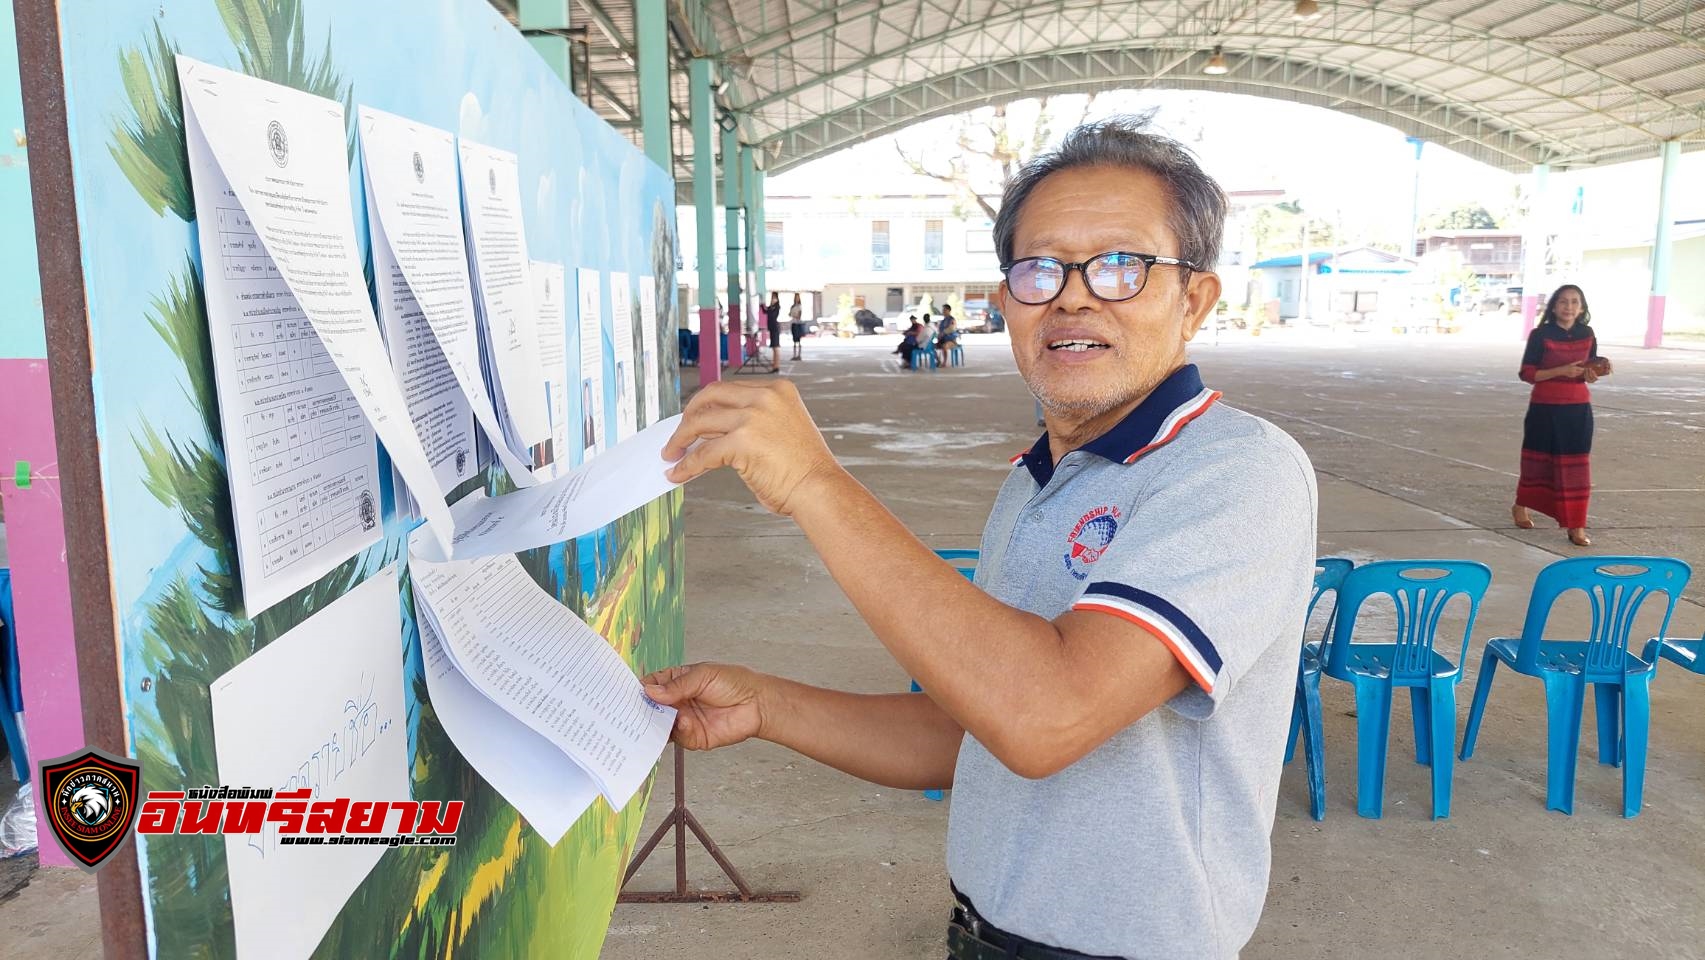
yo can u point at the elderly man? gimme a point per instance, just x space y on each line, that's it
1109 702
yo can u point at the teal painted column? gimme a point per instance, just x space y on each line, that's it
1533 248
549 15
704 215
651 22
1661 246
759 234
731 211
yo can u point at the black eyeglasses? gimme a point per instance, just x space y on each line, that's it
1115 276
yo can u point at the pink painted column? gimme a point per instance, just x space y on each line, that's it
41 586
710 347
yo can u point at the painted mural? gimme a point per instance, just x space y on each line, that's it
590 200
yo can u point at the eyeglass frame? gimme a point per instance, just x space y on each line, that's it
1149 260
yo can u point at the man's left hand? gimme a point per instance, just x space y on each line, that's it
763 431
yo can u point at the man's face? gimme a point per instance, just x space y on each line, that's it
1072 216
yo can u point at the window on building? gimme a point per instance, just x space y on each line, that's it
932 244
775 247
878 244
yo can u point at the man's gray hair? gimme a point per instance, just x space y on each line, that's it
1196 205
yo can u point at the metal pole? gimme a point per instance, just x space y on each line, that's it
651 23
548 15
1661 247
753 197
1414 198
1533 248
731 210
704 210
1302 290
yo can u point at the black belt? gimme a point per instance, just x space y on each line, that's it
970 937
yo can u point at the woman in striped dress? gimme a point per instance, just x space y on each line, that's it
1557 437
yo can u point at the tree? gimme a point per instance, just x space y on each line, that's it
992 147
1468 216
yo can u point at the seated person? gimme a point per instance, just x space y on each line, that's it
909 341
946 338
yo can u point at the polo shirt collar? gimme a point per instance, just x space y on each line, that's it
1178 399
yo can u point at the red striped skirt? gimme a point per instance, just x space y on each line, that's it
1556 447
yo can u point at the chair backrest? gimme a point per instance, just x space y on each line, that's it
1329 574
1616 597
966 570
1420 590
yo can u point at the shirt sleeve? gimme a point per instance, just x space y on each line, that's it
1532 356
1215 565
1592 348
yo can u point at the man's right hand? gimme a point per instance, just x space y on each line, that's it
718 705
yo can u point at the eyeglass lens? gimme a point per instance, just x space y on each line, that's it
1111 276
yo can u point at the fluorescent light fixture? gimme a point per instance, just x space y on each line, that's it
1216 63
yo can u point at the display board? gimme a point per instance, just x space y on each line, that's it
591 203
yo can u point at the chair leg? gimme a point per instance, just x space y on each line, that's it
1565 694
1442 694
1296 723
1636 723
1373 729
1420 716
1482 687
1608 697
1314 747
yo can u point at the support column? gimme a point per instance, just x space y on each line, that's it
760 243
704 215
1533 248
759 294
731 211
651 23
1661 249
1415 197
556 51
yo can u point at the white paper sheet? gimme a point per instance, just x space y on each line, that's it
591 363
552 457
491 197
578 502
436 405
627 390
549 789
414 202
320 707
650 360
269 169
544 666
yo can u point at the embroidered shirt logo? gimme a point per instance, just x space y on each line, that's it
1089 539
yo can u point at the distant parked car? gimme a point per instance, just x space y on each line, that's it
903 319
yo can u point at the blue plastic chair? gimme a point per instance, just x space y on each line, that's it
919 352
11 684
1621 681
956 356
969 572
1420 591
1329 574
1690 654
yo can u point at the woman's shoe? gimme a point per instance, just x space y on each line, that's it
1519 514
1578 537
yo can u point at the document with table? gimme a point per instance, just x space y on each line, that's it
304 378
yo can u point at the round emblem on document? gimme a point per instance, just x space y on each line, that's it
419 168
461 462
278 143
369 516
1089 539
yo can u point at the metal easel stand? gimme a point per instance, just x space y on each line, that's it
681 820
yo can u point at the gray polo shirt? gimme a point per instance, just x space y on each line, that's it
1196 522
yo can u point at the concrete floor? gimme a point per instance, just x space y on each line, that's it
1415 442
